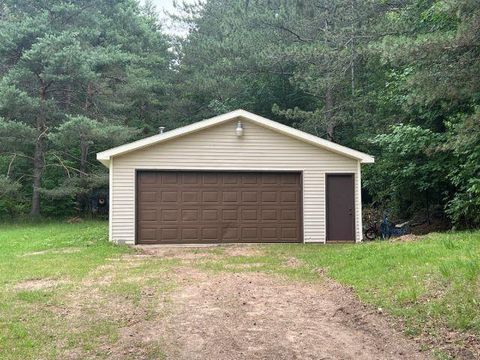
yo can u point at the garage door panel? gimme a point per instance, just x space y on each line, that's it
229 214
230 179
269 196
249 197
149 215
149 178
168 233
200 207
169 179
270 233
288 233
190 196
230 234
250 233
148 196
148 234
169 215
270 179
210 179
190 215
210 233
270 215
230 197
249 214
249 180
210 196
189 178
288 197
289 179
169 196
209 215
289 214
190 234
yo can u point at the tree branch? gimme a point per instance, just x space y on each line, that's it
63 165
10 164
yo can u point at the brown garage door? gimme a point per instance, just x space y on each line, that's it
218 207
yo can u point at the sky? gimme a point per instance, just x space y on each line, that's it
162 4
167 5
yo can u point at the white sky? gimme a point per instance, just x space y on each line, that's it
162 4
167 5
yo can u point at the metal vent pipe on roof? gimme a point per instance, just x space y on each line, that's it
161 129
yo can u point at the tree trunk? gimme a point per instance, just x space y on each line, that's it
88 97
352 49
83 158
328 114
39 153
82 199
68 98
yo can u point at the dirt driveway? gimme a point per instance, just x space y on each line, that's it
254 315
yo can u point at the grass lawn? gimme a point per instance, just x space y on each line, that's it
64 287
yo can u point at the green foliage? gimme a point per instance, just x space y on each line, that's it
464 207
435 63
398 80
385 78
15 136
10 200
410 169
74 77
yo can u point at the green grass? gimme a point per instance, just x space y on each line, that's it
53 250
432 284
72 316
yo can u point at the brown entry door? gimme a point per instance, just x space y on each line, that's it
218 207
340 207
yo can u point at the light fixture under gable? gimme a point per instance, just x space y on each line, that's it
239 129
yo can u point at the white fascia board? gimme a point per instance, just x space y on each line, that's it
105 156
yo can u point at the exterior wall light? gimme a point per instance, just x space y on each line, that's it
239 129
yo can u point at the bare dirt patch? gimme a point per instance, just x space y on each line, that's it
176 252
256 316
38 284
244 266
292 262
223 315
56 251
243 250
407 238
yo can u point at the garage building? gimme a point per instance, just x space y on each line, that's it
234 178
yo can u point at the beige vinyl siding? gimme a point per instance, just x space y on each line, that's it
218 148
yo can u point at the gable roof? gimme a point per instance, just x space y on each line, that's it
105 156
